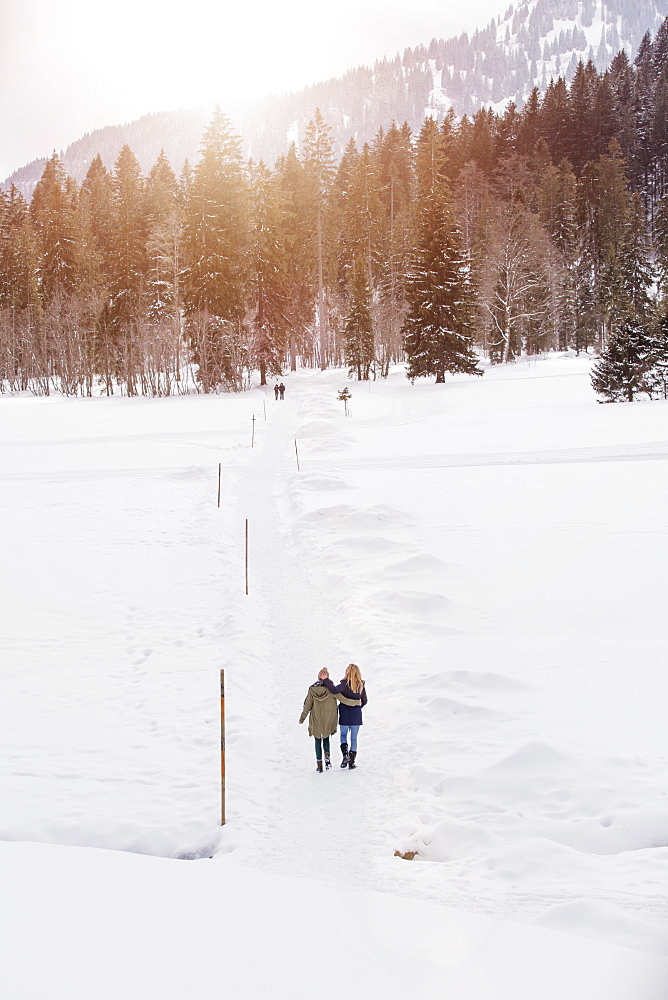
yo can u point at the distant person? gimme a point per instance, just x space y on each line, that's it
350 716
281 389
276 391
320 706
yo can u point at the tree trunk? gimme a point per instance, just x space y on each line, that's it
321 301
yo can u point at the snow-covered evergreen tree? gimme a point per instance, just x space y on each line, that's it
216 248
319 170
268 284
58 233
626 366
359 342
437 329
659 372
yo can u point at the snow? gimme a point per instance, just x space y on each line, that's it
492 552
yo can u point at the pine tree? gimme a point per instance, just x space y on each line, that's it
120 348
395 172
216 243
20 306
557 201
659 372
56 226
437 328
268 273
359 341
295 237
96 203
161 191
164 284
661 245
19 255
318 162
626 365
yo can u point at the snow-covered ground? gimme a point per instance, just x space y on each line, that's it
493 554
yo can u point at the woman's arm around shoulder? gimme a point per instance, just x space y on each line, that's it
332 687
352 702
336 689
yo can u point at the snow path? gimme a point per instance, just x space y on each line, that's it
309 816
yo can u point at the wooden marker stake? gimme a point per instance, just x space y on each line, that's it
253 434
222 747
246 557
219 470
297 454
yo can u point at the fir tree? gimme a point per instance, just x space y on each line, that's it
359 342
395 175
119 346
295 237
96 203
268 273
626 365
437 329
161 190
659 372
216 241
319 169
59 236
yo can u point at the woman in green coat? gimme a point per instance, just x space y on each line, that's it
321 707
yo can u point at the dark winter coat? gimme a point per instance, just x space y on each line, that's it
349 715
320 706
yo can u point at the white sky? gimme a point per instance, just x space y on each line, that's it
70 66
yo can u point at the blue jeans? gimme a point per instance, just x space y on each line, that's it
321 744
353 730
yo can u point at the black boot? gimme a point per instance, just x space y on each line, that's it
318 765
344 751
328 762
351 759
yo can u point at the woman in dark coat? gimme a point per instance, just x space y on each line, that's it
350 717
320 706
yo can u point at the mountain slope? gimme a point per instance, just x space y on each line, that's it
526 47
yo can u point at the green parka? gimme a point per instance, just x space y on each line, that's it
321 707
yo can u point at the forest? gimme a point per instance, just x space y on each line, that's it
492 235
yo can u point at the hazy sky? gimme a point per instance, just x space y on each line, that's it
70 66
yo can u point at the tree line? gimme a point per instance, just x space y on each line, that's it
500 234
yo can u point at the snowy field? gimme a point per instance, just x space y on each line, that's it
491 552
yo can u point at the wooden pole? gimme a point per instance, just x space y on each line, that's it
297 454
219 470
222 747
253 434
246 557
264 404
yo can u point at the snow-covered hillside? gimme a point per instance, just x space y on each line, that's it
492 552
533 42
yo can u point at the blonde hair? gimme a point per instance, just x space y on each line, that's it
354 678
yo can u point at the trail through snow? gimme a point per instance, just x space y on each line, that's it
309 818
